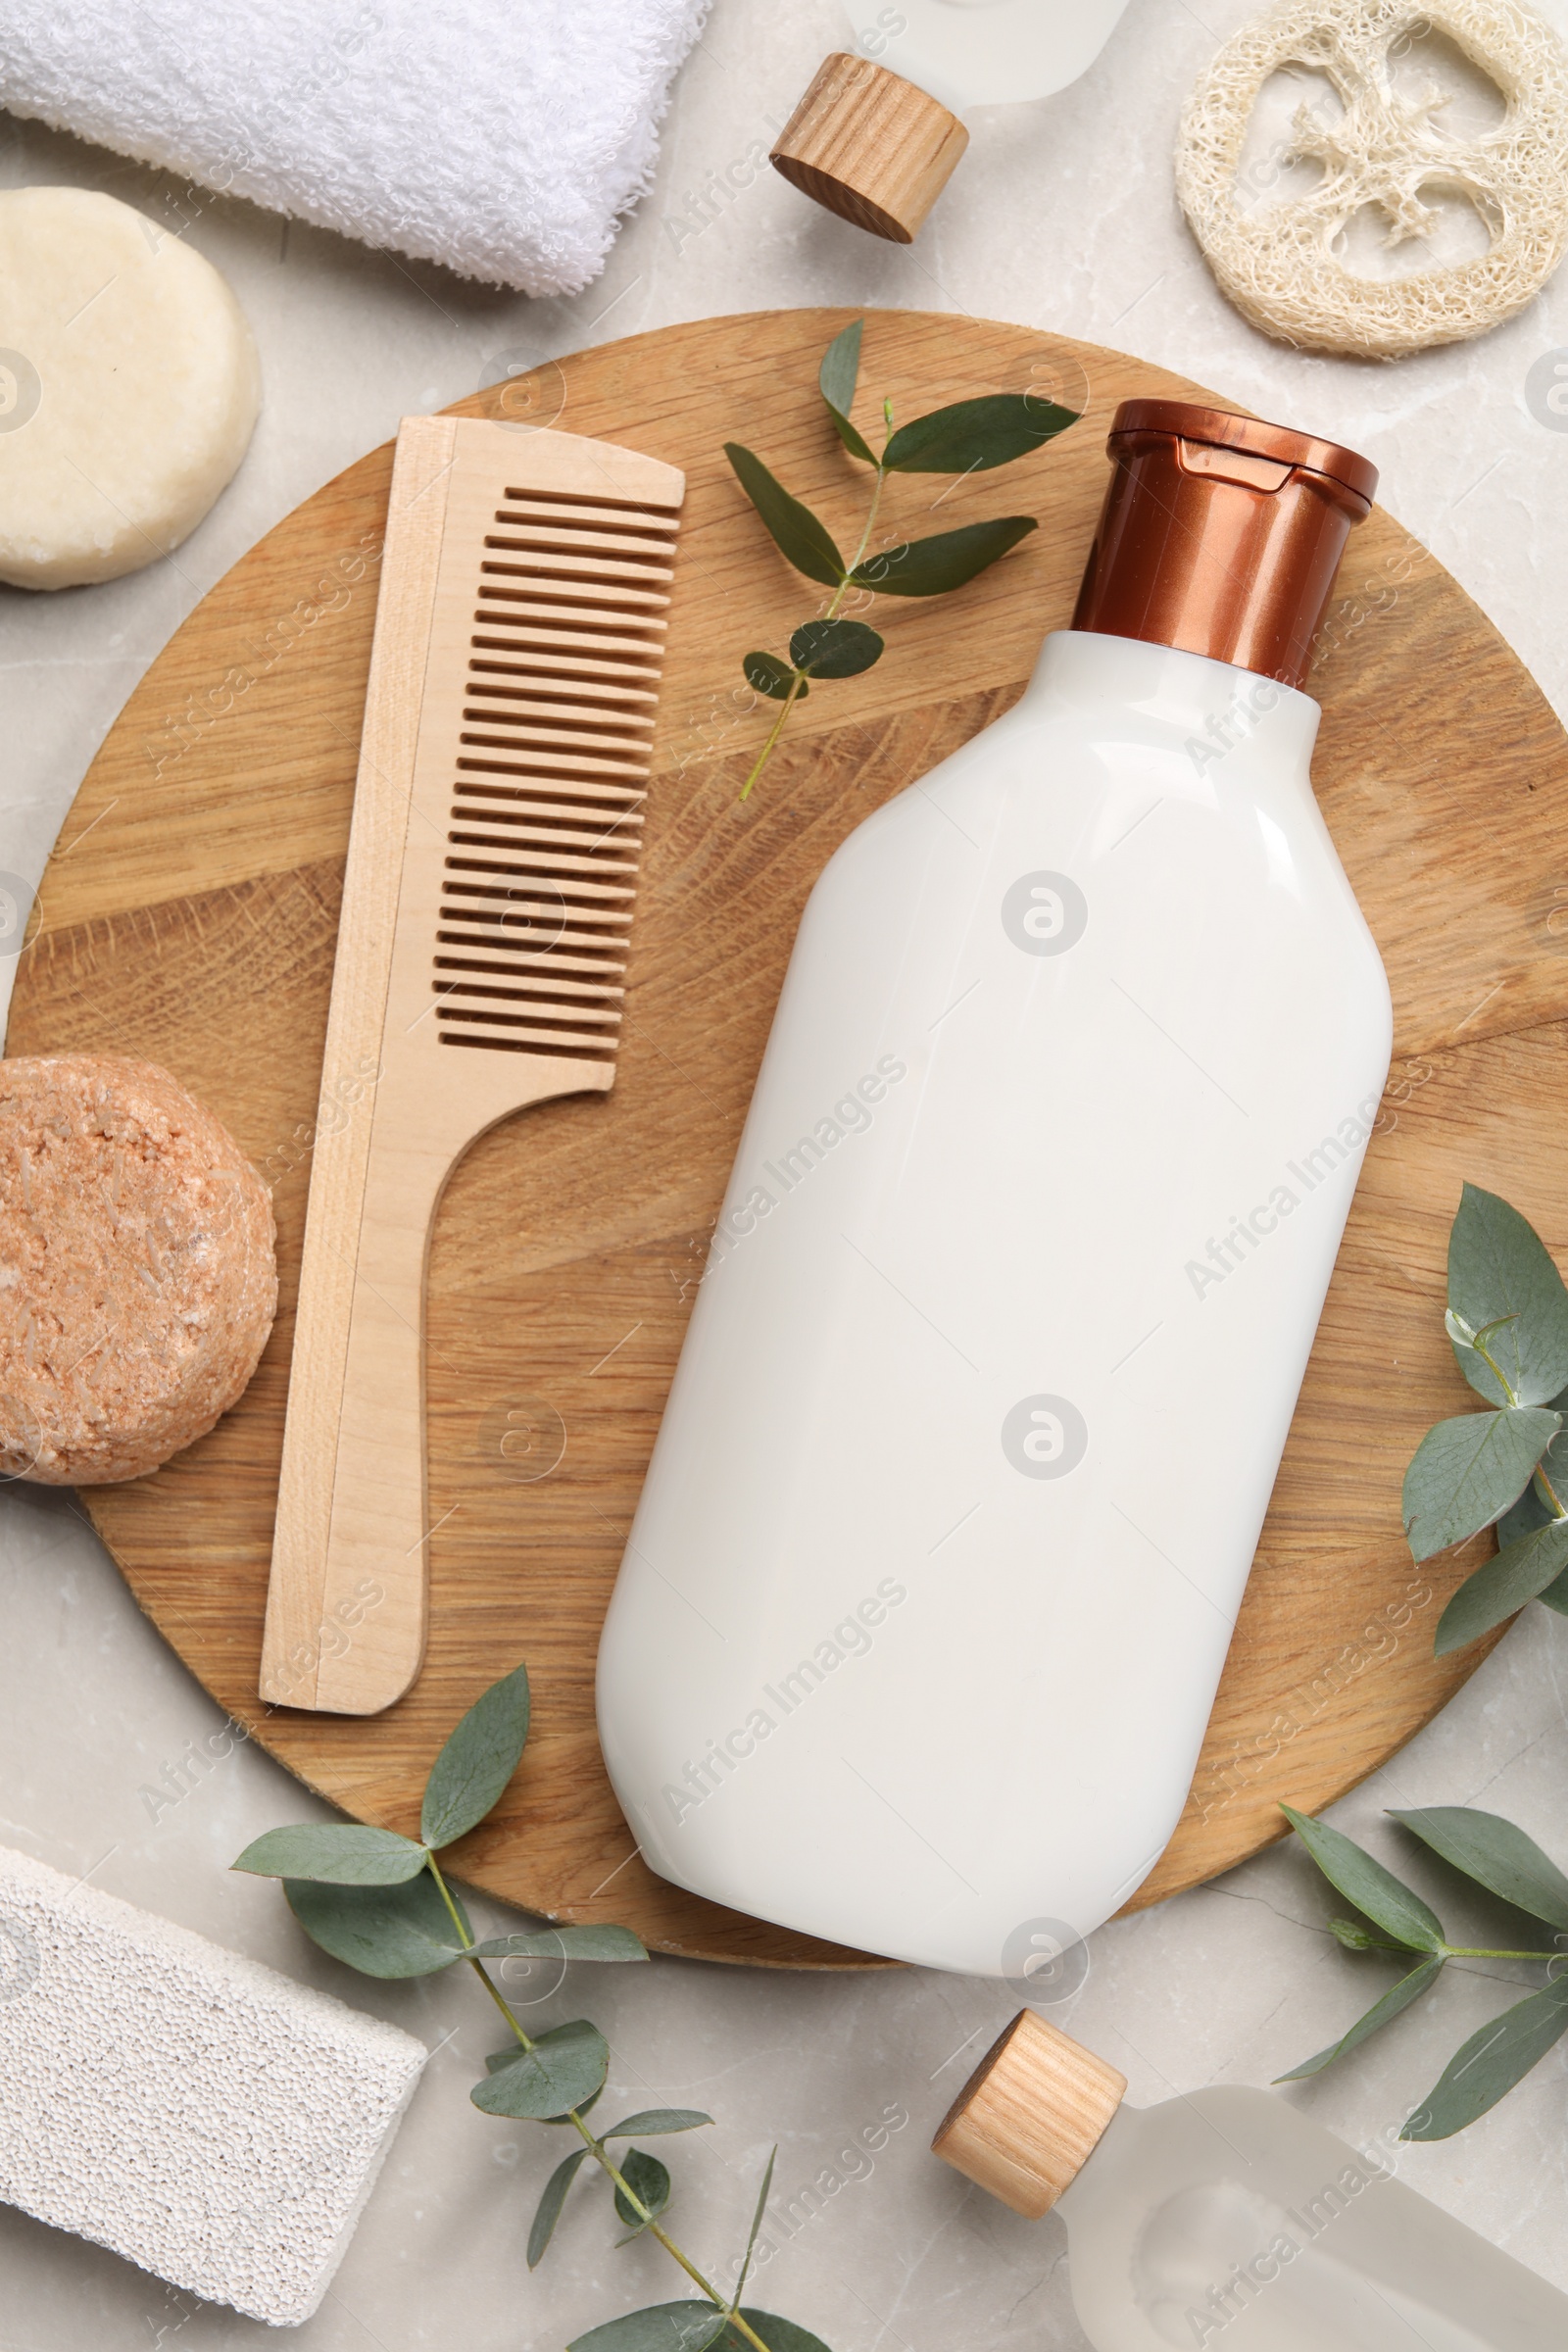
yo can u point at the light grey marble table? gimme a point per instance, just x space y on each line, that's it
1062 217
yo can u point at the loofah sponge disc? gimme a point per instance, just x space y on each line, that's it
1282 264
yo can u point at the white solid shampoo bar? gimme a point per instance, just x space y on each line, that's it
128 388
190 2109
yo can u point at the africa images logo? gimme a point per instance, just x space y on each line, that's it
1045 1962
16 909
1045 1437
1547 391
19 1959
20 391
1044 913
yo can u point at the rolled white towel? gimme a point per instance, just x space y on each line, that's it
201 2115
504 141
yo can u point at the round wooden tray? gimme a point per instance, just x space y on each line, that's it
188 914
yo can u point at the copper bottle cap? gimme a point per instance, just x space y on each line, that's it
1220 535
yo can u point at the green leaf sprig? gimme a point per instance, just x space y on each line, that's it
383 1904
1492 1853
971 437
1507 1320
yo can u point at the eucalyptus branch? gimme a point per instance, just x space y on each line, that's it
1507 1320
1548 1494
1542 1482
384 1903
1479 1343
466 1941
972 436
1492 1853
1483 1951
797 688
798 677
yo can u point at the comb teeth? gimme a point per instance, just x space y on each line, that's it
545 822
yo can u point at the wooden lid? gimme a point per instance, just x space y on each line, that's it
871 147
1030 2116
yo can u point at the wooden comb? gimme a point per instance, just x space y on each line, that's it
481 953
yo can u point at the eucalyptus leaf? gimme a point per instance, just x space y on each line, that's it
836 381
513 2055
1523 1517
794 528
385 1931
1471 1348
648 2179
1556 1597
340 1853
1489 2064
548 2213
1398 1997
772 676
1519 1572
650 2121
779 2336
563 1944
469 1776
1355 1936
1500 1273
931 567
688 2326
1374 1891
973 436
1554 1463
1467 1471
1532 1509
564 2068
756 2223
835 648
1496 1855
840 370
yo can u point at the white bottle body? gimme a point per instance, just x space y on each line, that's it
985 52
962 1471
1228 2216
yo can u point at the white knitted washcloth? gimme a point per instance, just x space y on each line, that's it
194 2110
505 141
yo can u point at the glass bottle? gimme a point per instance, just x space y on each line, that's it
879 129
1227 2216
985 52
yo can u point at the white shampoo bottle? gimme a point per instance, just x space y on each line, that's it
919 1622
1226 2215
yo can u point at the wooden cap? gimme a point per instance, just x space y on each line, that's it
1030 2116
869 146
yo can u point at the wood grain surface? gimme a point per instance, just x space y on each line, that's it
189 914
870 146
